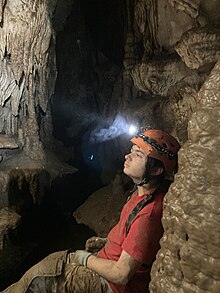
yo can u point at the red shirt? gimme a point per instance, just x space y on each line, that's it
142 241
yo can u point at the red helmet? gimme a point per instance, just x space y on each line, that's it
159 145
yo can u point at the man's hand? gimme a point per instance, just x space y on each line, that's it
94 244
81 257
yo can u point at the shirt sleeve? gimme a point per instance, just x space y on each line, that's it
142 241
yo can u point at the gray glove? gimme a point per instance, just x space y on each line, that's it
94 244
81 257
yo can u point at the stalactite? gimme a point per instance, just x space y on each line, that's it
27 47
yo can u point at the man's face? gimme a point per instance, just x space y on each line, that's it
135 162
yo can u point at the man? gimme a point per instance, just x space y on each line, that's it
124 261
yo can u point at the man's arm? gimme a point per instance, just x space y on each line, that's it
118 272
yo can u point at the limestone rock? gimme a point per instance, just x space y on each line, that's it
190 251
199 46
101 210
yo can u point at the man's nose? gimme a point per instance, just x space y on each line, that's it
127 156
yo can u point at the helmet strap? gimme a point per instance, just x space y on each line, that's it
144 181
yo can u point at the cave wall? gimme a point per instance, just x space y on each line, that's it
188 260
28 70
28 73
26 62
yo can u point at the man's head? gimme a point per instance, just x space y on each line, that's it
154 153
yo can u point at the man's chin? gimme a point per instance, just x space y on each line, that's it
126 171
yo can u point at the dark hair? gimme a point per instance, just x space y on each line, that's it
162 179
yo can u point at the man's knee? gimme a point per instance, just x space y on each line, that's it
42 285
77 278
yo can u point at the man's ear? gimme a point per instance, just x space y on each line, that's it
156 171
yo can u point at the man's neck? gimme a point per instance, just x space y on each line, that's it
146 188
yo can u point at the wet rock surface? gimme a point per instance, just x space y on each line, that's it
189 257
101 210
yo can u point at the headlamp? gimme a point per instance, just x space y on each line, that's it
133 129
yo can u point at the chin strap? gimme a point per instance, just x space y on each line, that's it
144 181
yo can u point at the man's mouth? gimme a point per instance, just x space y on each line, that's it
126 165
